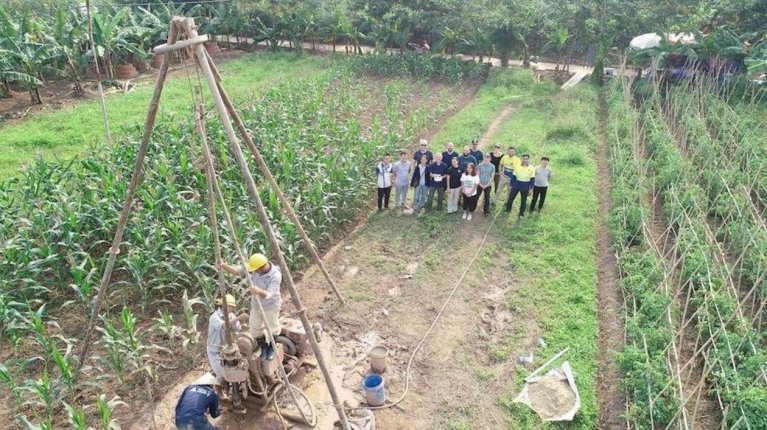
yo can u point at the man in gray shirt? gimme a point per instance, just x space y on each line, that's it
401 172
542 175
266 279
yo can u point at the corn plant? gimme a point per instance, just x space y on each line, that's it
10 382
192 332
45 394
164 325
34 323
106 409
77 417
66 369
116 349
28 425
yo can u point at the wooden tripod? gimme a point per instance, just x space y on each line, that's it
186 27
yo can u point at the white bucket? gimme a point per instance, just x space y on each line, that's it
378 356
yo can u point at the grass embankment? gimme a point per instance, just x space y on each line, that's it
501 90
552 254
66 133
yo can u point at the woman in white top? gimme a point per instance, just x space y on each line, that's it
469 184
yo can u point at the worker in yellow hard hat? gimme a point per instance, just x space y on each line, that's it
217 332
266 278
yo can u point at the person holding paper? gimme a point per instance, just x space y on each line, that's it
436 171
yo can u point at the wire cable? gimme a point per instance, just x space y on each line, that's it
433 324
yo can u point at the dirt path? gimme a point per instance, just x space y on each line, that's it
609 397
396 280
395 283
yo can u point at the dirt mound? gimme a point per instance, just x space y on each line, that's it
551 397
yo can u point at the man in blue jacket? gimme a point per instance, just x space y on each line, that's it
437 181
197 400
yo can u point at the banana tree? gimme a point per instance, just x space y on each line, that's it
477 42
448 39
557 42
68 42
29 60
109 40
340 28
757 60
267 33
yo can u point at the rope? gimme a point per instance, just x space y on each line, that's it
433 324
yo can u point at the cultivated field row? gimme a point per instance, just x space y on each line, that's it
700 234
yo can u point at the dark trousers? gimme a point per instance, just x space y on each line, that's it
383 197
513 195
470 203
195 423
430 198
538 192
488 192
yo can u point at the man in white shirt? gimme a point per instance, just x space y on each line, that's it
384 177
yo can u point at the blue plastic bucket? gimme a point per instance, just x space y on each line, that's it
375 394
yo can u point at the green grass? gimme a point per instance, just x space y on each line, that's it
553 255
502 89
66 133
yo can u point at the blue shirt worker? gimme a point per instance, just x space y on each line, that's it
197 401
521 183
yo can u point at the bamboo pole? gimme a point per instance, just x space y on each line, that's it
114 250
102 102
285 203
210 179
264 219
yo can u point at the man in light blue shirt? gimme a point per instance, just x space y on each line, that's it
401 172
486 174
217 331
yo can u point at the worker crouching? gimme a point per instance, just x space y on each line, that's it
266 279
217 332
197 401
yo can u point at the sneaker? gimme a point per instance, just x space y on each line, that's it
464 215
521 216
469 217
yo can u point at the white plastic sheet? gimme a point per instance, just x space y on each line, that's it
564 373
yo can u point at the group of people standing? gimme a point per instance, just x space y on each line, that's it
464 178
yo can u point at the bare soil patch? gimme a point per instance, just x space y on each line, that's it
609 397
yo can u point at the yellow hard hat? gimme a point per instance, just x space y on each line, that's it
256 261
229 299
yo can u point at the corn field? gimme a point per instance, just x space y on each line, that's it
321 137
688 223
